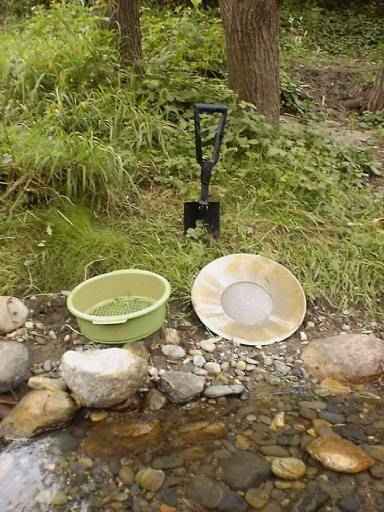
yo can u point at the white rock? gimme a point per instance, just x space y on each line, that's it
173 351
213 368
303 336
199 361
208 345
15 365
102 378
172 336
13 314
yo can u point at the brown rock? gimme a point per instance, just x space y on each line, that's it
339 455
200 431
38 411
288 468
150 479
340 357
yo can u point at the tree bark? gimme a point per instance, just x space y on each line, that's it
252 42
376 97
126 14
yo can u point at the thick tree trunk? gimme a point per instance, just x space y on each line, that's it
127 16
376 97
252 40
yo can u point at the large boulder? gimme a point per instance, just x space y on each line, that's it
38 411
354 358
15 365
103 378
13 314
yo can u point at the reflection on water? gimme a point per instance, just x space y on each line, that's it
27 480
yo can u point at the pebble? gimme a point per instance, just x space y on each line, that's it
219 390
332 417
47 366
288 468
213 368
303 336
377 471
208 345
259 497
274 451
199 361
282 368
200 371
250 360
205 492
126 475
150 479
172 461
245 469
243 442
241 365
173 351
97 416
172 336
375 451
156 400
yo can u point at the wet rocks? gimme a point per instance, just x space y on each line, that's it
339 357
244 470
259 497
206 492
150 479
38 411
311 500
13 314
200 431
288 468
181 387
340 455
41 382
102 378
173 351
14 364
219 390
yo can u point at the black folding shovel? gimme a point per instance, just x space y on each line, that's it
208 212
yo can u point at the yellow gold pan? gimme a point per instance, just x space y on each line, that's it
249 299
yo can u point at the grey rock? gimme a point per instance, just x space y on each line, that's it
224 390
213 368
206 492
47 366
332 417
274 451
311 500
172 336
282 368
199 361
350 503
208 345
180 387
232 502
102 378
15 364
244 470
173 351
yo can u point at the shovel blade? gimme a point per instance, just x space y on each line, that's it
207 214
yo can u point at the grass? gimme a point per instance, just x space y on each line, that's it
95 164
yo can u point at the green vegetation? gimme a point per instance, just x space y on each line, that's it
95 162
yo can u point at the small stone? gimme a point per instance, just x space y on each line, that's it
350 503
199 361
97 416
219 390
278 422
241 365
330 386
213 368
47 366
13 314
126 475
288 468
202 372
232 502
15 364
274 451
311 500
225 366
259 497
154 373
303 336
332 417
208 345
377 471
173 351
244 470
206 492
156 400
282 368
340 455
59 499
172 336
317 405
172 461
251 418
52 335
250 360
181 386
243 442
67 338
150 479
375 451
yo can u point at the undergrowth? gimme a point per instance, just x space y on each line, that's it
95 163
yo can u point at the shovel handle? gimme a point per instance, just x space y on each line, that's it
203 108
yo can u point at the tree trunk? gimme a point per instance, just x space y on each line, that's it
376 97
127 16
252 41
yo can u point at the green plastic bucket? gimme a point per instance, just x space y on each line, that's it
121 306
